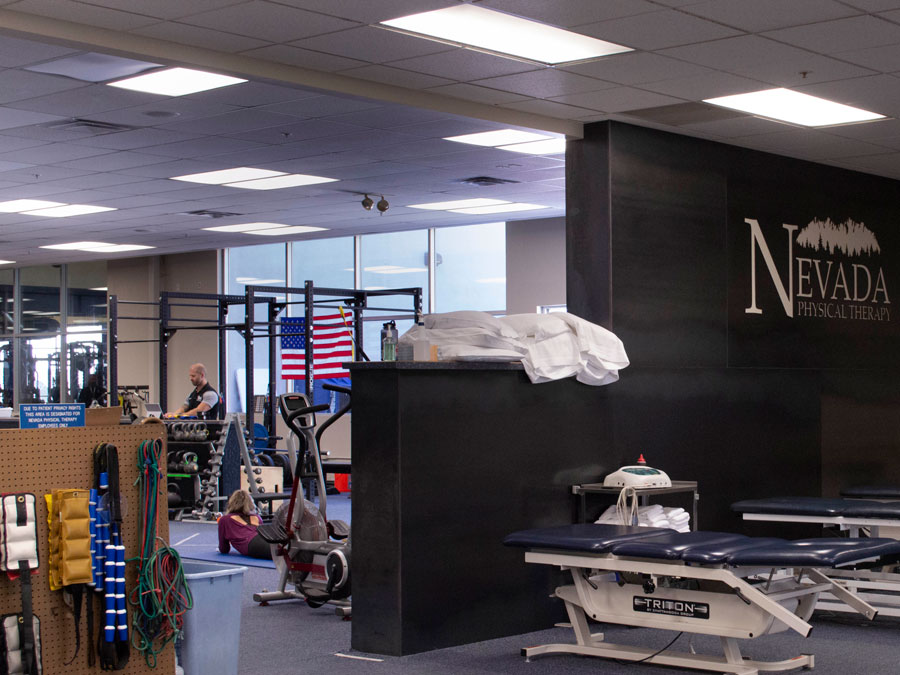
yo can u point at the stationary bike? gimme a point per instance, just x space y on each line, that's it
310 552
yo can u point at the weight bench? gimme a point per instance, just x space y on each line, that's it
859 518
711 583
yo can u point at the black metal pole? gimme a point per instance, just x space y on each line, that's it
309 355
249 309
163 351
112 370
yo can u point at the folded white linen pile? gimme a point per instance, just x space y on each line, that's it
653 515
550 346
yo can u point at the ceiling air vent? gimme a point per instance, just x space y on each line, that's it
204 213
76 125
484 181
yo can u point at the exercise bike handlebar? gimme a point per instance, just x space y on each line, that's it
306 410
340 413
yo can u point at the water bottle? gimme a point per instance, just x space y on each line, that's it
389 341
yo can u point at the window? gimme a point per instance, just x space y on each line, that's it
325 262
40 299
470 268
264 265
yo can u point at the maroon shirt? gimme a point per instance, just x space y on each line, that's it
235 533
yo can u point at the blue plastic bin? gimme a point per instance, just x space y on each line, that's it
212 629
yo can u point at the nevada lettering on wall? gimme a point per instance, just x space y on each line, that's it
833 272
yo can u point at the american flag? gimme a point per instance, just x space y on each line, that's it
332 346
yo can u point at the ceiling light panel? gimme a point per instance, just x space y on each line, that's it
244 227
176 82
457 204
553 146
116 248
499 208
76 245
20 205
7 262
790 106
278 182
504 34
68 210
499 137
295 229
241 173
92 67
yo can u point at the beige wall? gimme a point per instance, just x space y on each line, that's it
143 279
535 264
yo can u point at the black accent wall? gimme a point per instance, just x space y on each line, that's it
792 398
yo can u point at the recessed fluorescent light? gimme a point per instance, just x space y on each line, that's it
240 173
76 245
500 208
19 205
176 82
457 204
504 35
253 281
278 231
244 227
68 210
552 146
792 106
499 137
7 262
117 248
99 288
277 182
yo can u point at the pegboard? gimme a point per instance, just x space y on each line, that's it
42 460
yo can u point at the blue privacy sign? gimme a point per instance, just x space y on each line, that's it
51 415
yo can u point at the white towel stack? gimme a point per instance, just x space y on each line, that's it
652 516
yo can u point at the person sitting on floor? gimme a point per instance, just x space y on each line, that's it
237 527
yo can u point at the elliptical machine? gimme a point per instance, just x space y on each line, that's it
310 552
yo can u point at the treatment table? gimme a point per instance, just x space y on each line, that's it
859 518
712 583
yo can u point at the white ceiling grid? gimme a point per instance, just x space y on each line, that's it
684 51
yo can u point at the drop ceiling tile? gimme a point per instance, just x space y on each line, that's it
370 170
372 45
700 87
323 106
463 65
619 99
7 165
43 174
456 126
874 5
197 36
369 12
206 147
871 131
108 181
268 21
549 109
545 83
881 91
297 130
396 76
636 68
161 111
471 92
810 143
80 12
136 186
136 138
10 143
732 128
164 9
84 101
762 15
181 167
657 30
15 52
17 85
572 12
834 37
885 59
51 153
231 122
115 161
304 58
253 94
392 116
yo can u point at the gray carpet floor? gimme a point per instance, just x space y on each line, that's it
289 637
